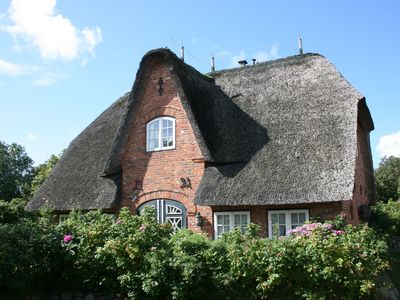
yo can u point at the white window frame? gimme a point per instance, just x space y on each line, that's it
160 137
231 215
62 218
288 219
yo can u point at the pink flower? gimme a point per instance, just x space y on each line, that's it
118 221
338 232
68 238
142 227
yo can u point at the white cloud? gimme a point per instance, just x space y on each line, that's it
32 137
389 145
48 79
54 35
272 53
236 58
11 69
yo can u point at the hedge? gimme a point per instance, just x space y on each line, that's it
141 259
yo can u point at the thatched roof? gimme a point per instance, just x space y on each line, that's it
76 181
277 132
310 112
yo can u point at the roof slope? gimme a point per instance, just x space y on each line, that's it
217 122
310 113
279 132
76 181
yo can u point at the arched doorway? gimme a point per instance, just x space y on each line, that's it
170 211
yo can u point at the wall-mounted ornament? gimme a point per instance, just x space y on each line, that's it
138 185
160 86
185 182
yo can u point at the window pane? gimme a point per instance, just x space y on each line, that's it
170 142
220 230
274 218
295 218
282 219
302 218
165 142
154 125
282 230
165 123
244 220
237 220
226 220
219 219
165 132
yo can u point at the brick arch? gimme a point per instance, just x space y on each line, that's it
159 112
180 197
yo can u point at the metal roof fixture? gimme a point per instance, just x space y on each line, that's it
300 42
243 63
254 61
212 64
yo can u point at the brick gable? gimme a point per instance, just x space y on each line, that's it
160 172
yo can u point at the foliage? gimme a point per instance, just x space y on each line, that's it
13 211
386 217
387 177
15 171
141 259
31 259
42 171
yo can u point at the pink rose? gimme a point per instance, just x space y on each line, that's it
68 238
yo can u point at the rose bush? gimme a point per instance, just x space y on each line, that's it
136 257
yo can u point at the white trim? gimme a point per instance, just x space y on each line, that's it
231 215
288 219
160 137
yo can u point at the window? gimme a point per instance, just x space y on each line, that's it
62 218
160 134
281 221
168 211
227 221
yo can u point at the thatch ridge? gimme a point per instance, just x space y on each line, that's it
311 114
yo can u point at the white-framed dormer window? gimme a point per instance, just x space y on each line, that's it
160 134
227 221
281 221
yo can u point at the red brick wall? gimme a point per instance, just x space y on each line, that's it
160 171
363 192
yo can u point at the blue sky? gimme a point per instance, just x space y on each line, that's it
62 62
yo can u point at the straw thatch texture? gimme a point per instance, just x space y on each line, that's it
310 113
76 181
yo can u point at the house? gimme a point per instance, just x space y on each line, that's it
276 144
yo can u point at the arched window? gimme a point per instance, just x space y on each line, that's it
168 211
160 134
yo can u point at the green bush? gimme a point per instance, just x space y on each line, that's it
30 257
386 217
139 258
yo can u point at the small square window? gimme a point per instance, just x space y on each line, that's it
227 221
281 221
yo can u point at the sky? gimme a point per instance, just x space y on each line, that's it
63 62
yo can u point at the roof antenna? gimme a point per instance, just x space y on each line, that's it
300 41
212 64
183 53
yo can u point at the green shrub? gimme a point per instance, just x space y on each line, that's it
139 258
386 217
